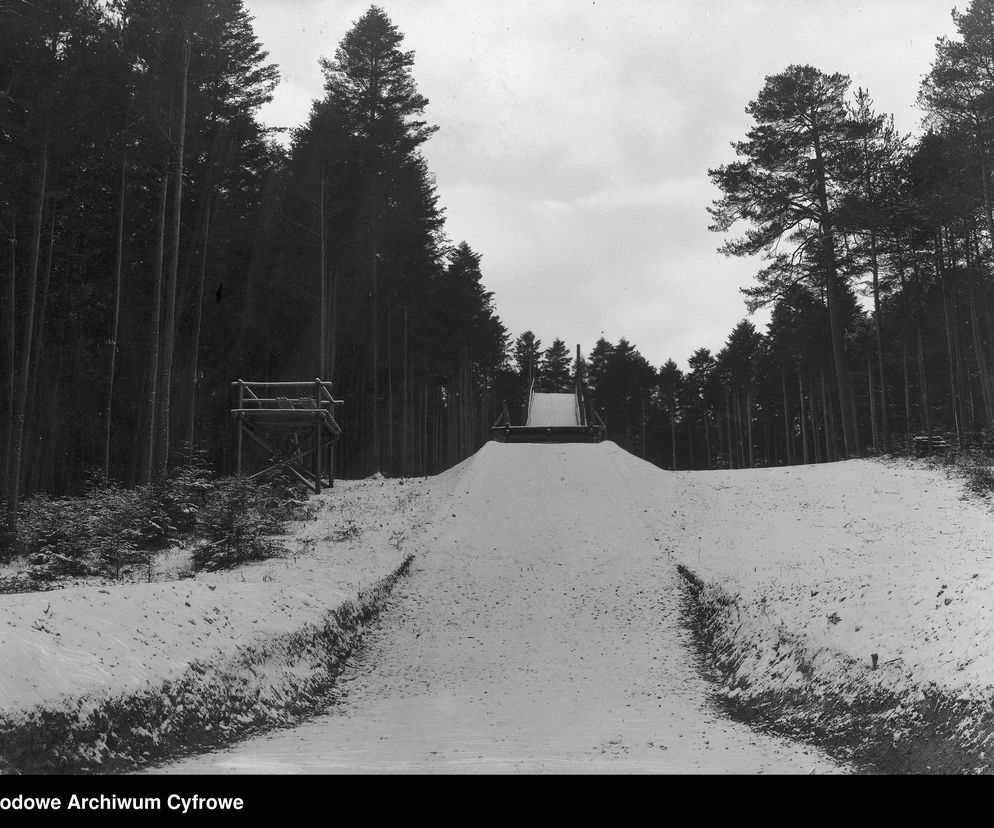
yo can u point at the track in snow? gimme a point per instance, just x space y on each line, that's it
539 632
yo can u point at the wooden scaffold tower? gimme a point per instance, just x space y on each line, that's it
293 423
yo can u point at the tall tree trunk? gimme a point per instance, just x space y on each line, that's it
884 406
873 407
672 438
404 412
923 382
11 349
788 448
374 374
907 394
389 361
806 457
980 355
813 414
193 380
953 390
728 429
707 440
31 432
333 327
21 397
834 311
115 317
739 438
155 337
172 272
748 400
323 279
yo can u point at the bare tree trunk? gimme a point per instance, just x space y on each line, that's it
31 431
333 329
953 390
873 406
116 316
21 397
193 380
907 394
672 437
813 414
172 273
376 362
707 441
404 413
788 448
834 311
980 355
11 348
752 461
389 418
155 337
884 408
323 278
923 382
806 458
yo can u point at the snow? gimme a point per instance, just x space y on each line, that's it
92 642
539 631
552 410
860 557
542 629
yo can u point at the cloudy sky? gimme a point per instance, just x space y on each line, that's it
575 137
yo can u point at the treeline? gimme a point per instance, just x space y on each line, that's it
159 244
840 205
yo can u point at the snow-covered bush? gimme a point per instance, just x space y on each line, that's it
181 494
236 521
118 523
282 499
53 535
96 534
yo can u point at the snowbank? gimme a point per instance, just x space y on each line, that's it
849 602
105 677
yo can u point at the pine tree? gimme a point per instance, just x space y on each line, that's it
370 86
527 357
556 368
785 187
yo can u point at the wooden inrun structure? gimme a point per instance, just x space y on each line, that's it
293 423
553 418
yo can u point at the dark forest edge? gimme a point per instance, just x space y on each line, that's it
160 242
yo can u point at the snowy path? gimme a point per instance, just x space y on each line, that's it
539 631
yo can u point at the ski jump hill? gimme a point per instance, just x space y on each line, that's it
552 418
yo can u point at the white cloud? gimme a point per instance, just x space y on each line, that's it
576 136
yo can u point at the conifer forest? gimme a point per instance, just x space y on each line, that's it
158 242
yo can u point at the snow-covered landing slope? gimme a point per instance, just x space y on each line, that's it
552 410
540 630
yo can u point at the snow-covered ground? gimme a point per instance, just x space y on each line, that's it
552 410
539 631
859 557
544 623
74 649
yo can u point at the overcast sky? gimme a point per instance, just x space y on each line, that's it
575 137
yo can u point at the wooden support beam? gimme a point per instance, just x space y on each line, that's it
286 463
